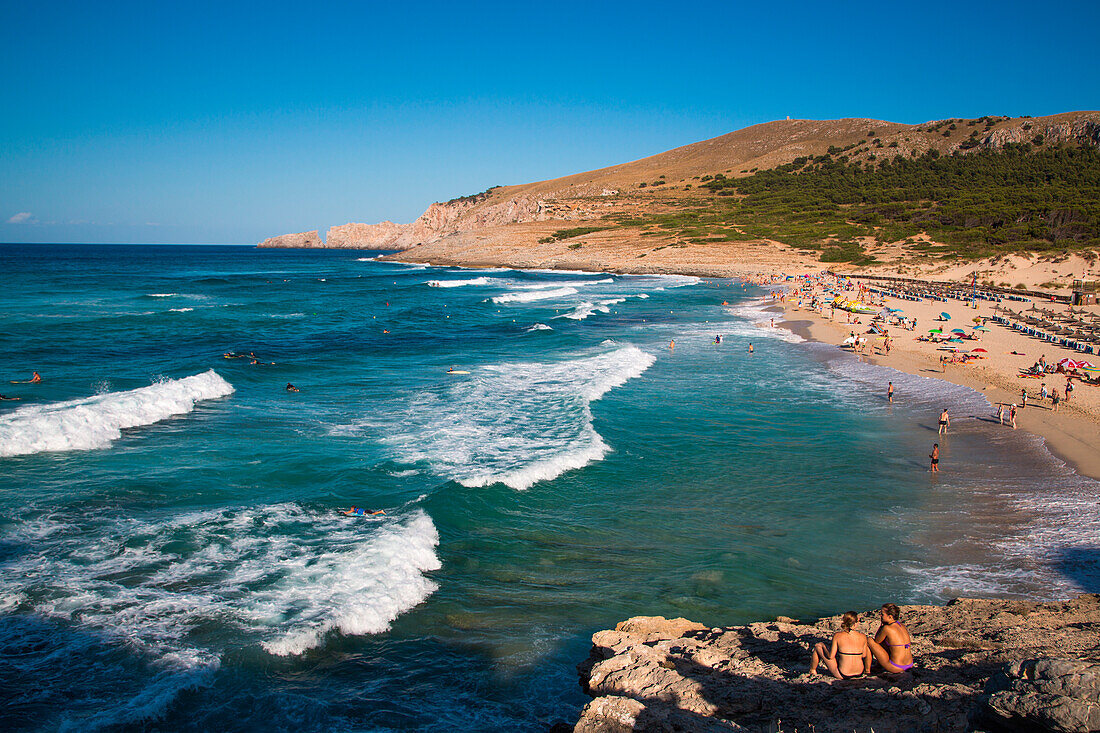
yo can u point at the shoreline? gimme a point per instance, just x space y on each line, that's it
1071 436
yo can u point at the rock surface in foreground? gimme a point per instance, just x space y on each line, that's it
654 674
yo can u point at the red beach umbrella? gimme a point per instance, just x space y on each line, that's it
981 350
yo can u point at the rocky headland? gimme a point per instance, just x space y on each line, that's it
301 240
985 665
507 225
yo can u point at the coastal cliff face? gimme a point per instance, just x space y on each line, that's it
982 665
297 241
444 219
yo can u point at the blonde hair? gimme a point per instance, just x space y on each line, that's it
849 620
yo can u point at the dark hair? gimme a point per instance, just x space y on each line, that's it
849 620
892 610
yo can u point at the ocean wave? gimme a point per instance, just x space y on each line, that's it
528 296
96 422
161 295
284 575
587 308
539 327
180 310
516 423
562 284
459 283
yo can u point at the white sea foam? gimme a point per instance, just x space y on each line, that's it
181 310
365 259
95 422
539 327
459 283
515 423
284 575
756 323
587 308
561 284
162 295
528 296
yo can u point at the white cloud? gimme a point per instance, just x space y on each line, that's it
22 217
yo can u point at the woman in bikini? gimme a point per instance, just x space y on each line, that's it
849 655
891 645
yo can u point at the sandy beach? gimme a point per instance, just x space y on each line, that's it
1072 432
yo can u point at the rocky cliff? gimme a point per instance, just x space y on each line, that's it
982 665
300 240
444 219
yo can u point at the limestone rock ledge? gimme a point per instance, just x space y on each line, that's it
310 240
990 665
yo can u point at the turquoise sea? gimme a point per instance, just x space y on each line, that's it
172 552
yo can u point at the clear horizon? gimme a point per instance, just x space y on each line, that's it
215 124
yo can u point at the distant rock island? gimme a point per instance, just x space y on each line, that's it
982 665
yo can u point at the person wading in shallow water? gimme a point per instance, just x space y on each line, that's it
890 393
945 422
935 456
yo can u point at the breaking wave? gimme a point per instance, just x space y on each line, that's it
459 283
516 423
96 422
528 296
283 574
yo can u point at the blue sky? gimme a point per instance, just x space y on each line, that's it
227 123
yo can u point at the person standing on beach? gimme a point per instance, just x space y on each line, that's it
1043 391
1069 388
945 422
1001 413
1023 398
935 456
1012 415
890 393
1054 400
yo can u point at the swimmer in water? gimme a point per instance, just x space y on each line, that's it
358 511
291 388
5 397
750 347
717 339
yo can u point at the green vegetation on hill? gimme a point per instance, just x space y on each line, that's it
570 233
1021 197
474 198
983 203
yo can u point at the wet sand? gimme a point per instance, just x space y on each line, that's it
1072 433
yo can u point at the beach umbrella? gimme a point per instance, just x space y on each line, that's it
1068 363
935 330
980 328
981 350
945 316
957 330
